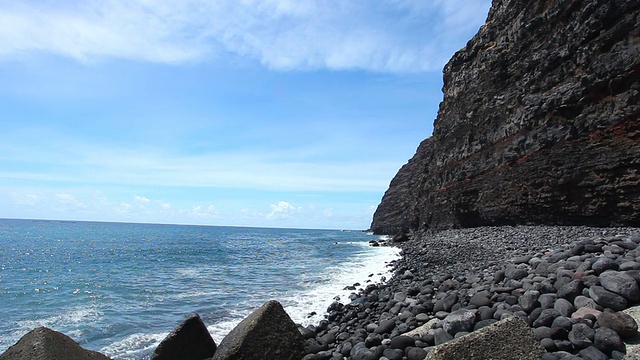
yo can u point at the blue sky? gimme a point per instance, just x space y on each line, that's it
270 113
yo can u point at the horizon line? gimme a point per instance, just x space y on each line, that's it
178 224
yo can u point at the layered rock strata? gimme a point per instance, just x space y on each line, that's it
540 124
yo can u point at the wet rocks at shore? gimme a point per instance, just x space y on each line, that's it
46 344
189 341
267 333
569 284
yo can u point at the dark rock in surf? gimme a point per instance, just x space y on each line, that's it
189 341
46 344
266 334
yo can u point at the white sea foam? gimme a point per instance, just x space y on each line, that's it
220 329
367 268
369 265
132 346
189 272
73 316
68 321
195 294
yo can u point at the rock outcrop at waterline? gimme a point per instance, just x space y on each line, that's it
268 333
45 344
540 124
189 341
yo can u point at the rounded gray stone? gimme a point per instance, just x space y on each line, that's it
620 322
607 298
457 321
621 284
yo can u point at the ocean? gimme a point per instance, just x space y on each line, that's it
120 288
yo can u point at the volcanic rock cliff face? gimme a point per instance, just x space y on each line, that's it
540 124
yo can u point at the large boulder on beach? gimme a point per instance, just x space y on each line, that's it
267 334
509 339
189 341
46 344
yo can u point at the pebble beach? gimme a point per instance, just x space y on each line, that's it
570 284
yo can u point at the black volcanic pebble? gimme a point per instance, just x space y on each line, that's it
482 323
592 353
393 354
402 342
440 336
603 264
515 273
480 299
548 344
562 323
620 322
607 298
547 300
579 339
373 340
564 345
529 300
415 353
385 326
620 283
546 317
571 290
608 340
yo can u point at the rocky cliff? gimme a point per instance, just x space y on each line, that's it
539 124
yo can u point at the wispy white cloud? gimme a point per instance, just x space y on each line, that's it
282 210
117 205
124 208
142 199
69 202
25 199
204 212
395 36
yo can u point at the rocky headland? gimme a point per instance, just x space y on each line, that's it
539 124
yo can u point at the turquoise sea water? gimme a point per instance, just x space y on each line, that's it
120 288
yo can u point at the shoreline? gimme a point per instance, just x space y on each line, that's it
450 283
471 263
